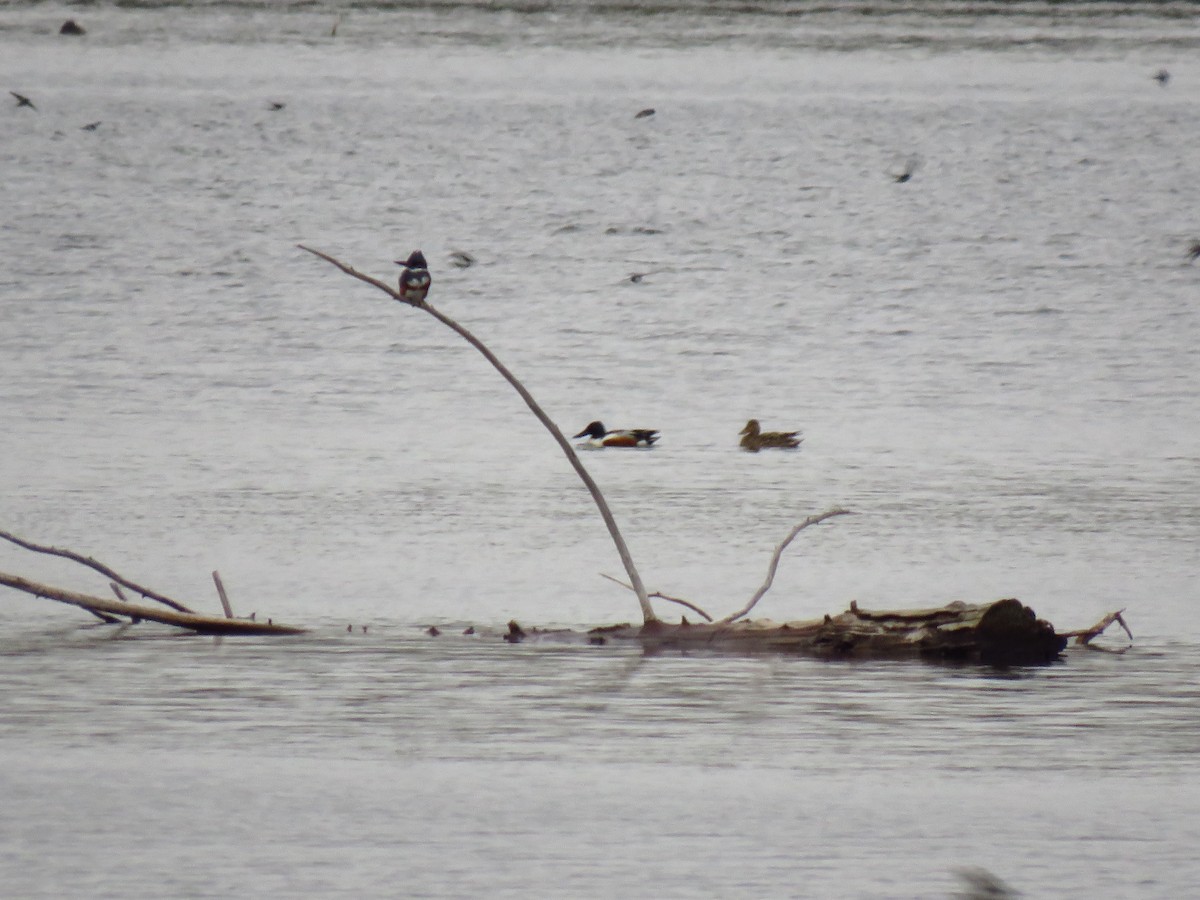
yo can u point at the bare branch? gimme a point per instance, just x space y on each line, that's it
1086 635
758 595
610 522
188 620
350 270
97 566
221 593
661 596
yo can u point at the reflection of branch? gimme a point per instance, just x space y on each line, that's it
99 567
661 596
593 489
811 520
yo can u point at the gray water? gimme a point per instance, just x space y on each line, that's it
995 366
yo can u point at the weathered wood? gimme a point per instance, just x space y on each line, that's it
216 576
97 566
1085 636
136 613
1001 633
1004 632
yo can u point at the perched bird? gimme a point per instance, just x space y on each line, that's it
461 259
1194 251
1162 76
645 113
755 439
414 280
72 27
22 100
598 436
910 168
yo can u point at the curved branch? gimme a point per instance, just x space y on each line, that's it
97 566
610 522
766 586
350 270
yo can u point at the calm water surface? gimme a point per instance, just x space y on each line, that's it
994 365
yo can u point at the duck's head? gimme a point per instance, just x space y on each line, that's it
416 260
752 428
593 430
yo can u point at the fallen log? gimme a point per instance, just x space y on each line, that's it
1001 633
1005 632
102 607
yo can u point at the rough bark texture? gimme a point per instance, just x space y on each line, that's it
1004 632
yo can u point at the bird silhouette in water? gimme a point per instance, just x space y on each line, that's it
414 280
72 27
22 100
910 169
1194 251
1162 76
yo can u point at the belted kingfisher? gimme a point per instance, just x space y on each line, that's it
414 280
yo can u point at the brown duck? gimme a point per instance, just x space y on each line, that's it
755 439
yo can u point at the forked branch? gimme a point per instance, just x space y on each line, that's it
635 579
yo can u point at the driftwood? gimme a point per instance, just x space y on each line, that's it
1004 632
123 612
1085 636
137 613
97 566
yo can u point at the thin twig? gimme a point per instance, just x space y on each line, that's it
97 566
661 596
610 522
766 586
